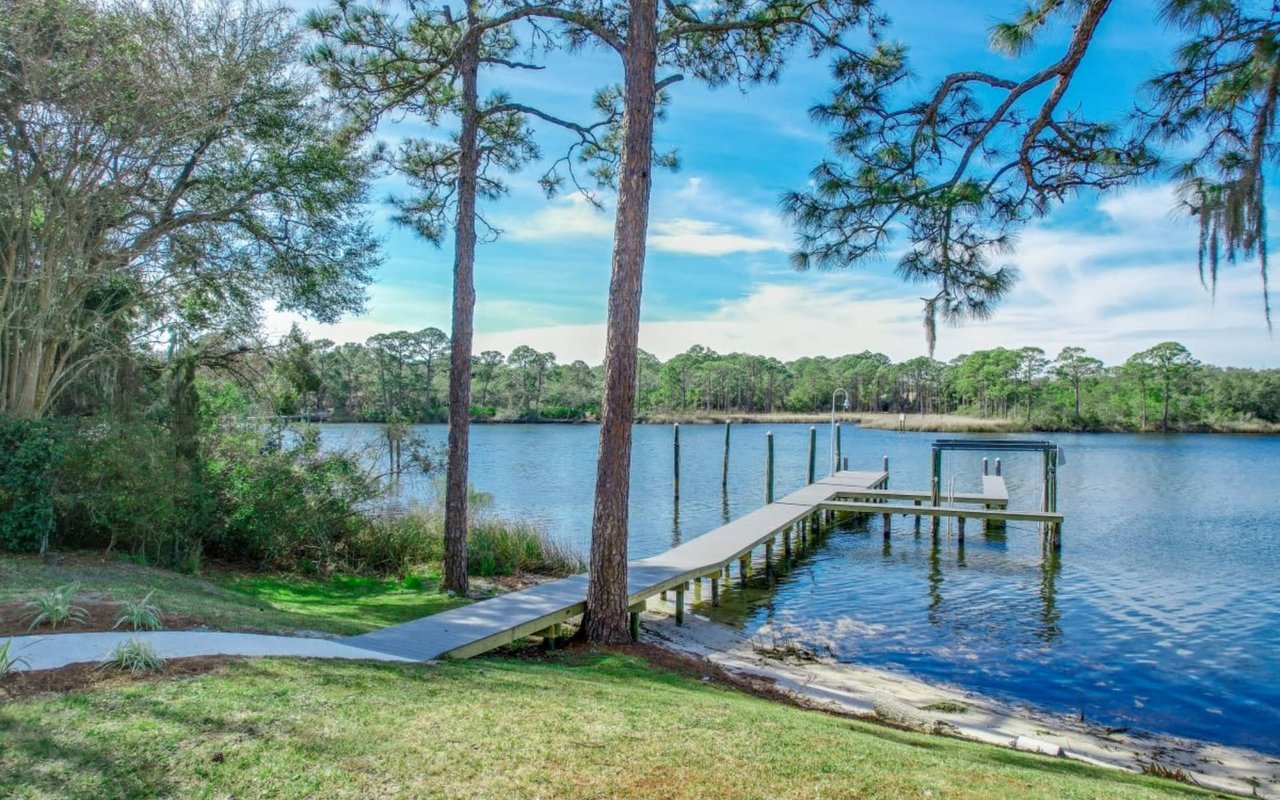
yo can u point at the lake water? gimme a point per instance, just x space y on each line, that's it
1161 612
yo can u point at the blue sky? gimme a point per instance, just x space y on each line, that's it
1113 274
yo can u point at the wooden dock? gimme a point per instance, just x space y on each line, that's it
477 628
483 626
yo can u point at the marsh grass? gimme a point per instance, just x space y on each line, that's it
398 541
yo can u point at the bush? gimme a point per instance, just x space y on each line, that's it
141 614
281 507
30 452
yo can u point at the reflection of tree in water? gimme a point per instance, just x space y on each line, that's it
1050 569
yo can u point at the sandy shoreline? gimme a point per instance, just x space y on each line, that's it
863 691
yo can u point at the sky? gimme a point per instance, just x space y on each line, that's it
1114 274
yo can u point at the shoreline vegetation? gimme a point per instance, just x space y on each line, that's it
884 421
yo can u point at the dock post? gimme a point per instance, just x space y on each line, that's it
697 589
813 450
715 591
744 568
675 467
935 490
984 465
997 467
917 518
724 469
960 527
838 456
884 466
786 543
844 463
635 626
768 467
887 525
680 604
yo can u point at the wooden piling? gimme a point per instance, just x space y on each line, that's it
768 467
724 468
675 467
887 525
960 527
935 488
997 467
839 458
984 466
715 591
813 451
744 568
635 626
680 604
768 557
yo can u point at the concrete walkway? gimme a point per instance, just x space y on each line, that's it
60 649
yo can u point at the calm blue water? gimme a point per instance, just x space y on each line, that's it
1161 612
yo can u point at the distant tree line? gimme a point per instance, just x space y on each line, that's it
398 377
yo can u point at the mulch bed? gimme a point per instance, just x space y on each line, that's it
15 617
76 677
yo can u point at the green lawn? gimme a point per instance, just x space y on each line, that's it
233 601
573 726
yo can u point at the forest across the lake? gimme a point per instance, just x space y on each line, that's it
402 376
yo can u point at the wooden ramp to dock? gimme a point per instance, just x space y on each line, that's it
477 628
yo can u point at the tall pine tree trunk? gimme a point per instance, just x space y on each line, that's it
464 302
606 620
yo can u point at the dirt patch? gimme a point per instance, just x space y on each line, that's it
78 677
15 617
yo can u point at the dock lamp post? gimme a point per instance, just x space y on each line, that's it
834 465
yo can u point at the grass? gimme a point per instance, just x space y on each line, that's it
230 601
578 725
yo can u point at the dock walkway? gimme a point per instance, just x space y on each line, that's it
477 628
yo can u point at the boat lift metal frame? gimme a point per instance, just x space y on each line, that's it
1053 455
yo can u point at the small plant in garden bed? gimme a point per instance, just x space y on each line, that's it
136 655
144 614
9 663
57 607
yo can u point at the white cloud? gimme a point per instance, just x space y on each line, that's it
570 217
701 238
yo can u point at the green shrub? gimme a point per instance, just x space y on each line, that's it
135 655
141 614
30 452
57 607
121 487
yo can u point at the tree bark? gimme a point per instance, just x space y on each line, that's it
606 620
464 301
